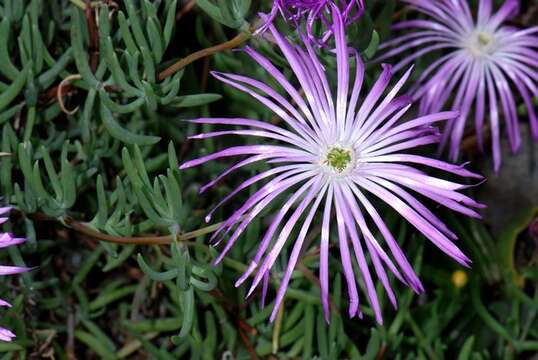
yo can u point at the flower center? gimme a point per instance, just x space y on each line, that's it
484 39
339 158
480 43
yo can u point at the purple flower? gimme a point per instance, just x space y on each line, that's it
335 153
315 12
483 63
7 239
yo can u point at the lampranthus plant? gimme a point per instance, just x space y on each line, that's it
333 154
7 239
315 13
484 62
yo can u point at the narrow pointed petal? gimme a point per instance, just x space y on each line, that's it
11 270
324 256
296 252
6 335
6 239
344 253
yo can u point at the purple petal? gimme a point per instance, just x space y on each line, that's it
365 272
344 254
440 240
294 256
241 150
11 270
324 256
6 239
286 230
6 335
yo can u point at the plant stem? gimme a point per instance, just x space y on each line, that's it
185 9
60 96
230 44
139 240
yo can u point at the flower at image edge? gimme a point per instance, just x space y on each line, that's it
484 64
314 12
7 239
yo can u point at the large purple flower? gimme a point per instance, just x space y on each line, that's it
335 153
314 12
483 63
7 239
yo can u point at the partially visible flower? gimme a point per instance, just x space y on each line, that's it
7 239
313 12
483 62
335 153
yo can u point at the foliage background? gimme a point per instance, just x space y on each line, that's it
101 165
